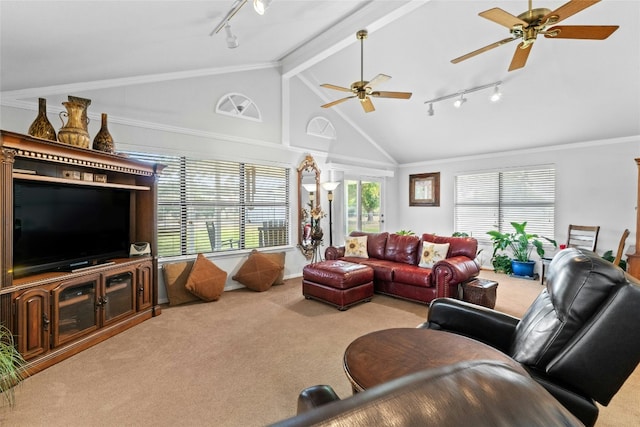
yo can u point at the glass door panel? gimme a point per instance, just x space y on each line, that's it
364 201
75 310
119 296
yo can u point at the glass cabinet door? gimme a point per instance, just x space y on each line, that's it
75 309
118 299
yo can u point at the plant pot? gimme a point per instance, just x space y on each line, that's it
522 268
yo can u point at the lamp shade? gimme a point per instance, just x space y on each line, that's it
310 187
330 186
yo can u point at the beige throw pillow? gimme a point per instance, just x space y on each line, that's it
432 253
356 247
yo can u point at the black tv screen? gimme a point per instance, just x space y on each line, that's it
61 227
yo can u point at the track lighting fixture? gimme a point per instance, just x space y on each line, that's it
260 7
458 102
461 96
232 40
496 95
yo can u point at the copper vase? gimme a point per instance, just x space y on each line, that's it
41 126
74 131
103 140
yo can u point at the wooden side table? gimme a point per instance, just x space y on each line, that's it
388 354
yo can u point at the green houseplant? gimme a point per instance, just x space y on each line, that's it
11 366
521 244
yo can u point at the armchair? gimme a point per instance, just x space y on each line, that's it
479 393
579 339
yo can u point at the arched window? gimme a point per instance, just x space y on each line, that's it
238 105
321 127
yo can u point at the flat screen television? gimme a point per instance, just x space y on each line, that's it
60 227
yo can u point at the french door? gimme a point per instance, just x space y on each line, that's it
363 205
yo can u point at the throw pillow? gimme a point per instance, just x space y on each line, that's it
356 247
278 258
206 279
258 272
432 253
175 279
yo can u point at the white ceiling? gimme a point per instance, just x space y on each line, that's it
570 90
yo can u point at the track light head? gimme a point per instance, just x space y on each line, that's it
458 102
430 111
232 40
496 95
261 6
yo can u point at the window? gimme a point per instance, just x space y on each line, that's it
238 105
364 199
492 200
321 127
211 205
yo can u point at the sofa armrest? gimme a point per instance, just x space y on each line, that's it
483 324
452 271
334 252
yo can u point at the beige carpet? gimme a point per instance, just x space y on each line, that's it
239 361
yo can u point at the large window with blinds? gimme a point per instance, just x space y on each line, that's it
212 206
492 200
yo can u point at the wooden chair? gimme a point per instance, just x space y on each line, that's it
215 244
583 237
273 233
623 239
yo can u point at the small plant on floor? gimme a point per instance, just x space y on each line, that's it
11 366
501 264
405 233
608 255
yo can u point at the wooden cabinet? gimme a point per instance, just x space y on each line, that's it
58 312
33 314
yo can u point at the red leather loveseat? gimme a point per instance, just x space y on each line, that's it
395 258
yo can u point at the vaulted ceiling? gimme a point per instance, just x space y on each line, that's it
569 91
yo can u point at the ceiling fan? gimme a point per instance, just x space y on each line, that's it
362 89
528 25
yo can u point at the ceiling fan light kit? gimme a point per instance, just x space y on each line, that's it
528 25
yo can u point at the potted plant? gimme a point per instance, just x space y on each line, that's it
11 366
521 244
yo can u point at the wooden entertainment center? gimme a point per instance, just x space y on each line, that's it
56 314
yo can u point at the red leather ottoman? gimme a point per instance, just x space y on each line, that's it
339 283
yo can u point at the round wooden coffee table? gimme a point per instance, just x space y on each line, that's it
385 355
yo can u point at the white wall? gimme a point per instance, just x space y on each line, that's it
596 184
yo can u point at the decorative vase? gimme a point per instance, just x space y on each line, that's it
85 103
522 268
74 131
41 126
103 140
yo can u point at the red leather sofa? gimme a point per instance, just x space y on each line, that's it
395 258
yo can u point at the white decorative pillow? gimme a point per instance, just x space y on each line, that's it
432 253
356 247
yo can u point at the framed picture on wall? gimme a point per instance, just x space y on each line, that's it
424 189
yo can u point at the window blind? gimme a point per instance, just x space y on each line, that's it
211 205
492 200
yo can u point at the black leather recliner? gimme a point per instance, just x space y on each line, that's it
580 339
478 393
